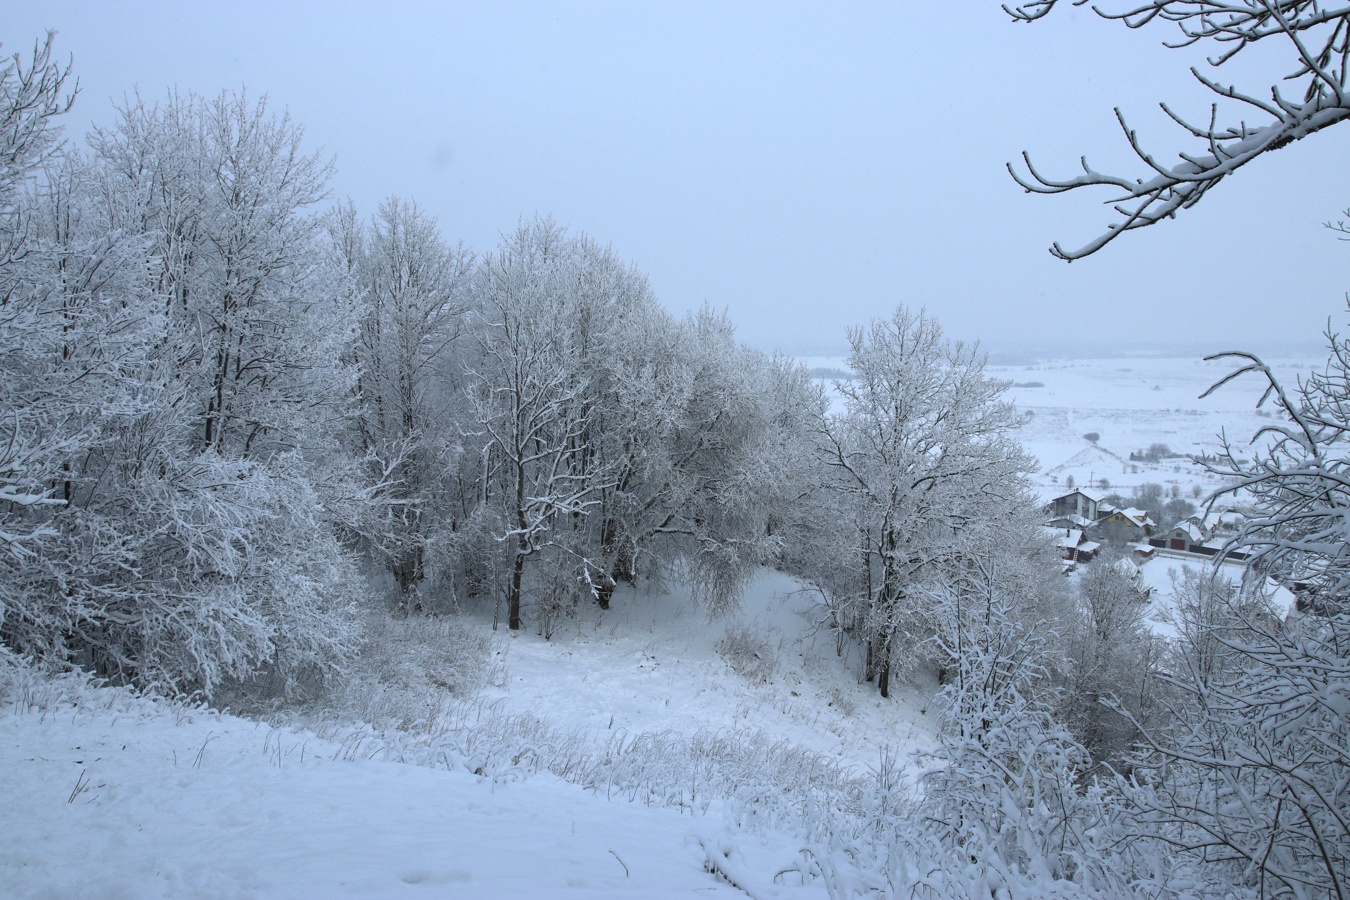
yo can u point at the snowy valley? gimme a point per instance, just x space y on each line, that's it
646 750
340 558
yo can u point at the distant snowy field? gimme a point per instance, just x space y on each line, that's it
597 749
1131 403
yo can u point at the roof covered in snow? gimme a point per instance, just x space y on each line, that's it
1159 571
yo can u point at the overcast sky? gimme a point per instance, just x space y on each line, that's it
805 168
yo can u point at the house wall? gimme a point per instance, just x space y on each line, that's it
1074 504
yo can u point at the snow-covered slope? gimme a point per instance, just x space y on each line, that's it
606 753
112 795
652 664
121 797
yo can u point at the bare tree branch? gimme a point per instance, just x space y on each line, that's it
1318 34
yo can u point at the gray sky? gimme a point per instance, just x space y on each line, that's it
805 168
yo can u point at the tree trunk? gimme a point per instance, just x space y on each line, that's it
604 591
522 546
513 594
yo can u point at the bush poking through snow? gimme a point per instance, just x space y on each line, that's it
440 651
413 672
748 653
842 702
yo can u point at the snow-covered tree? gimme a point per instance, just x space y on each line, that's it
1252 779
223 187
620 336
1112 658
924 462
410 288
708 484
613 439
1317 96
530 396
185 355
1008 800
31 97
73 346
1206 607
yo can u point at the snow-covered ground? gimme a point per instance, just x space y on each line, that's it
1161 572
651 664
110 795
107 795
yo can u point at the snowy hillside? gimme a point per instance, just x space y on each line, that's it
111 795
641 751
652 664
108 795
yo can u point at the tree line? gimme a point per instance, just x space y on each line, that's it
225 398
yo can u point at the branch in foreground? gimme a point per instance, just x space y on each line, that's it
1320 38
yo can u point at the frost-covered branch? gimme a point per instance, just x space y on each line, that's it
1318 34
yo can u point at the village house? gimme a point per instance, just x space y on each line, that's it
1189 536
1074 547
1197 535
1129 524
1080 505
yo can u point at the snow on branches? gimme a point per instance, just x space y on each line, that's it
1318 36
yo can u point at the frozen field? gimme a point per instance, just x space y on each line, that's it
1131 403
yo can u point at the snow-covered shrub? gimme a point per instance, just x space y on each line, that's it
1003 760
443 653
749 653
1251 781
467 564
200 573
558 593
1252 784
1004 810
